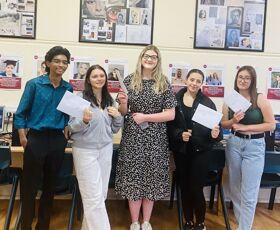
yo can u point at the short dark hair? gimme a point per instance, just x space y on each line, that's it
56 50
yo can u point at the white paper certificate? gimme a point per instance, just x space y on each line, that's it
121 83
206 116
236 102
73 105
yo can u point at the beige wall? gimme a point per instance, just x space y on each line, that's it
58 24
173 34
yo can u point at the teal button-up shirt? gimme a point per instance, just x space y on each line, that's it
37 107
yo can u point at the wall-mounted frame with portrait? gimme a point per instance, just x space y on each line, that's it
116 21
230 25
18 18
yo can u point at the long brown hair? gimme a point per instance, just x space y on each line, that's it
161 82
88 94
253 85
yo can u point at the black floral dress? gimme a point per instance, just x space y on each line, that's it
143 163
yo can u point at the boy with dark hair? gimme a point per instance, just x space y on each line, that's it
43 134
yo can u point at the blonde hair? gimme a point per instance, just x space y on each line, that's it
161 82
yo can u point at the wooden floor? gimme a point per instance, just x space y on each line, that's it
162 219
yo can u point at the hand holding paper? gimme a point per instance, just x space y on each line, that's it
73 105
237 102
206 116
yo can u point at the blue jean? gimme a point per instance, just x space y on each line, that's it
245 161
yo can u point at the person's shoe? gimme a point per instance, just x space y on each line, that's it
189 225
146 226
200 226
135 226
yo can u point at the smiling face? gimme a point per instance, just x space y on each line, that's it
97 79
194 82
243 80
57 65
83 67
149 60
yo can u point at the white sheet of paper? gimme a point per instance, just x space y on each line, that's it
206 116
73 105
237 102
122 84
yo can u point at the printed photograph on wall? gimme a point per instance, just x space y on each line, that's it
273 83
116 21
213 83
10 72
18 18
39 65
78 69
230 25
177 74
116 70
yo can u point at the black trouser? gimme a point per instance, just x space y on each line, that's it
43 157
191 174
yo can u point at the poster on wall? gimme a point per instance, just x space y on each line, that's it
230 25
117 21
116 70
177 74
273 83
39 65
214 80
277 129
78 69
18 18
10 72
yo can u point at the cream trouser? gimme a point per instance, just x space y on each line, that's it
93 167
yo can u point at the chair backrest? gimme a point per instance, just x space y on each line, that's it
216 159
5 157
272 162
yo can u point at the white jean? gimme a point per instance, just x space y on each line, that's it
93 167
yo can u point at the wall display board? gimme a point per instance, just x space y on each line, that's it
18 18
117 21
230 25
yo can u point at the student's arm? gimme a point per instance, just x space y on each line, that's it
164 116
24 108
22 137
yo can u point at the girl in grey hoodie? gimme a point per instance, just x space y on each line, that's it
93 147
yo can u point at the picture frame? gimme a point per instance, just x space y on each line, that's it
128 22
18 18
230 25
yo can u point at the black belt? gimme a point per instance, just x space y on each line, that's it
248 136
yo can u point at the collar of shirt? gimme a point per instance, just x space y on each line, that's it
46 81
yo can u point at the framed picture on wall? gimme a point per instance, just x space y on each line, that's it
18 18
230 25
116 21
